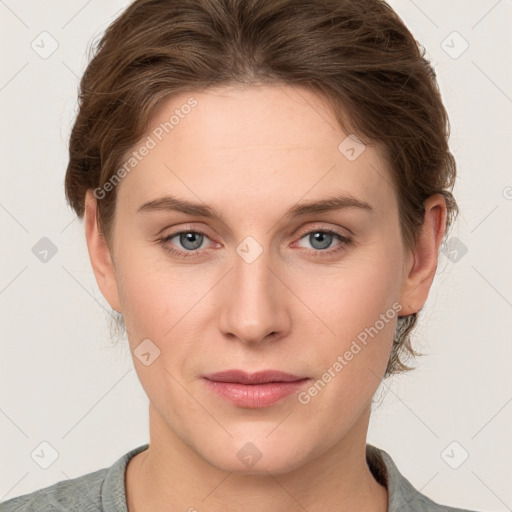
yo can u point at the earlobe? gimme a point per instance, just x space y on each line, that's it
99 254
422 264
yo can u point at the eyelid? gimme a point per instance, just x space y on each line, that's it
302 232
186 228
344 242
323 227
343 239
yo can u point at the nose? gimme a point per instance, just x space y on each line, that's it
254 304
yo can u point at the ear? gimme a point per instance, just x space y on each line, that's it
422 260
99 254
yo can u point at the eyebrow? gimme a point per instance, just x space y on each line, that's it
338 202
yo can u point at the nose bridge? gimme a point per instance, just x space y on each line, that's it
253 307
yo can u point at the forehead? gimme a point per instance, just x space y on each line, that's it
272 141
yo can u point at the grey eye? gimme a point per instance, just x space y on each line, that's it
190 240
320 240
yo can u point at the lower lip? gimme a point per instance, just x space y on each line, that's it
255 396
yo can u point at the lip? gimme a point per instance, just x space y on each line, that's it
254 390
261 377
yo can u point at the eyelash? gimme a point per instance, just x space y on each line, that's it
345 241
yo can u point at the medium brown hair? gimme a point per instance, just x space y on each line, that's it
358 55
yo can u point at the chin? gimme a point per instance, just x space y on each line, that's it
255 455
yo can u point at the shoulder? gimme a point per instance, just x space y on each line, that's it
81 493
402 495
101 490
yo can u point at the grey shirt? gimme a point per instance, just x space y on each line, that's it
104 490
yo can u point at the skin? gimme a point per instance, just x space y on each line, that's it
252 153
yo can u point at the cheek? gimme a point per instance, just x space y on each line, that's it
163 302
158 306
359 304
149 296
353 296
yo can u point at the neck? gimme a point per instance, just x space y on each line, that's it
171 475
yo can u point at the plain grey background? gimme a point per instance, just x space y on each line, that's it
63 382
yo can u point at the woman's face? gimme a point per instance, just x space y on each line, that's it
264 284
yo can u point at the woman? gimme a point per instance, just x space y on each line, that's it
265 186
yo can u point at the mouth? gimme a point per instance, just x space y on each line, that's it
254 390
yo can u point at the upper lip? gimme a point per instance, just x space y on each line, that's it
261 377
